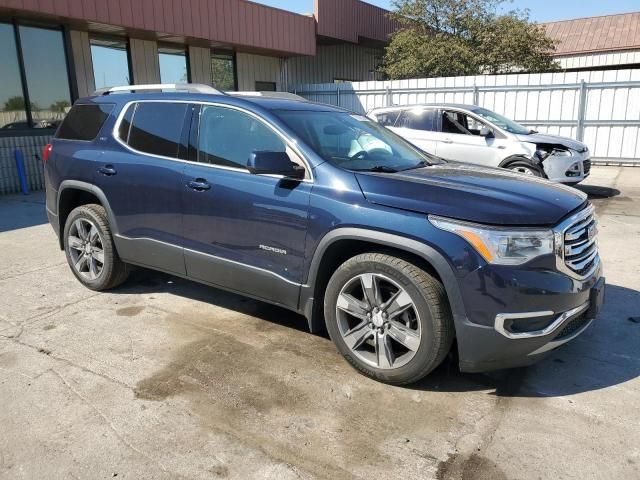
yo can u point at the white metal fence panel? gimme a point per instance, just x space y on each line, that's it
601 108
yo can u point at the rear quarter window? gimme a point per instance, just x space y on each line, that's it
83 122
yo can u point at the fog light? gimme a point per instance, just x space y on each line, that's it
574 170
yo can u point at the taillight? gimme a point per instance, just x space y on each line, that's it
46 152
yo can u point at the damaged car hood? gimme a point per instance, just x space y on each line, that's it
553 140
475 194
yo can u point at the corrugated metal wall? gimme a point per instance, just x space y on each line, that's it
343 61
144 61
604 111
590 60
234 22
31 147
83 65
200 64
257 68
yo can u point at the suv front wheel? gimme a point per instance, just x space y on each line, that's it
388 318
91 253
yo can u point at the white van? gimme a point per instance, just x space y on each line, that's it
471 134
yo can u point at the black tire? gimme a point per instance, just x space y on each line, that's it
524 165
114 271
431 304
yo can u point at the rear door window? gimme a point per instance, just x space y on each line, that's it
156 128
83 122
418 120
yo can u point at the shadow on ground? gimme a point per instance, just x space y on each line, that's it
596 193
605 355
22 211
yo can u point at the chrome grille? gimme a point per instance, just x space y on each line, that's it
579 251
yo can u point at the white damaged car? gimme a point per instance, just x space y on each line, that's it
471 134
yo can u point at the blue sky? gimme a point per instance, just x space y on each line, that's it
540 10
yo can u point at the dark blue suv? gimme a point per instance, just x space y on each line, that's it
322 211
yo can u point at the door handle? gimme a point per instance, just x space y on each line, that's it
107 170
199 185
447 140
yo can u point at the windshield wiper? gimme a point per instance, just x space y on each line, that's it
420 164
531 132
380 168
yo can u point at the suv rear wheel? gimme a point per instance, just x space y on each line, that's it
91 253
388 318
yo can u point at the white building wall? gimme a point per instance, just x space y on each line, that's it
335 62
258 68
590 60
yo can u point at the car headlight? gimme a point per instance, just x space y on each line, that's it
502 246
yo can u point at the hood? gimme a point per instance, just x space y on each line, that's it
475 194
543 138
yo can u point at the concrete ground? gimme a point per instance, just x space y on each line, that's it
164 378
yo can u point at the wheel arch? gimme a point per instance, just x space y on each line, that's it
343 243
74 193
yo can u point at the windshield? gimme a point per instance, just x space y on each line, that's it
502 122
354 142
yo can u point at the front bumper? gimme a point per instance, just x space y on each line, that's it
567 169
548 308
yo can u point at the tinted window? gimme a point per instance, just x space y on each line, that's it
223 71
266 86
12 107
173 65
157 128
110 62
84 122
228 137
387 119
418 120
45 66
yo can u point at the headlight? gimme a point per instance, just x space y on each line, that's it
561 153
497 245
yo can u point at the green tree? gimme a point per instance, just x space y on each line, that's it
60 106
14 104
464 37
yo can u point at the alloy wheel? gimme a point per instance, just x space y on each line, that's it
86 249
378 321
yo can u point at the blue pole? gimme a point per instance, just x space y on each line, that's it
21 172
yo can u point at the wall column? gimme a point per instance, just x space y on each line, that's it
81 62
200 65
145 64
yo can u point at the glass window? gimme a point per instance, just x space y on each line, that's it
461 123
227 137
110 58
223 70
157 128
45 66
173 65
13 114
84 121
266 86
354 142
387 119
502 122
418 119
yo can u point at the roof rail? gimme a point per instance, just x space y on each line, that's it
281 95
186 87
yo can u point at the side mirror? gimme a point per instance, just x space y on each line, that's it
486 132
274 163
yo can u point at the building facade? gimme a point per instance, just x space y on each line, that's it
55 52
